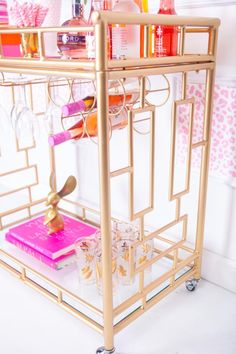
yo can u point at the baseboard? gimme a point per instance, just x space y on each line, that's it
189 4
219 270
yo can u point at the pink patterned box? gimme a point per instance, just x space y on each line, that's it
223 133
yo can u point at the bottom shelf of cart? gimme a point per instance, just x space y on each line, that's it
84 301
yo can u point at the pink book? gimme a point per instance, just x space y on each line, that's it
34 234
11 50
57 263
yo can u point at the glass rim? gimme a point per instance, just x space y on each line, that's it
86 241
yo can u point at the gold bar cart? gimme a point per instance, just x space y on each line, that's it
184 259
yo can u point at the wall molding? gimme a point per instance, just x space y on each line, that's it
188 4
219 270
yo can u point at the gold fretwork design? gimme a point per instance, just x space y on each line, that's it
131 128
184 260
176 104
158 235
27 187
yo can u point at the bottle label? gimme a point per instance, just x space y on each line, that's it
90 45
166 40
68 38
125 41
159 48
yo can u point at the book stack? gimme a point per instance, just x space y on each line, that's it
10 42
55 250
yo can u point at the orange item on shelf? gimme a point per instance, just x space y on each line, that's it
10 39
143 4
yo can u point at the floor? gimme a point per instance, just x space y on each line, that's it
201 322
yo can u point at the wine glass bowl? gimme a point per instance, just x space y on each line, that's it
23 120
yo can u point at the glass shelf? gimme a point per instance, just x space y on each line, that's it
80 298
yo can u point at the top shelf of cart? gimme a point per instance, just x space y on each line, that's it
75 68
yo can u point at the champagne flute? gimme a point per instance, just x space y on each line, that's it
4 117
59 93
23 119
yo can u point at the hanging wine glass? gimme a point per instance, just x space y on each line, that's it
24 121
4 117
59 93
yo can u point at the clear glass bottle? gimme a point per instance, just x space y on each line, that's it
72 45
125 38
99 5
166 37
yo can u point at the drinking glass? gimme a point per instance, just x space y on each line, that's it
144 253
98 236
99 269
59 93
125 230
4 121
124 272
85 255
52 119
23 119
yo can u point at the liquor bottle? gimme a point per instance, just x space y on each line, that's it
88 102
99 5
72 45
166 37
125 38
143 5
88 129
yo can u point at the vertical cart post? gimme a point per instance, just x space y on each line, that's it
204 169
104 175
210 79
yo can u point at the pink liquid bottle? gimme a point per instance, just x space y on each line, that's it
72 45
166 37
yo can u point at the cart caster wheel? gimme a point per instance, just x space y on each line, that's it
191 284
102 350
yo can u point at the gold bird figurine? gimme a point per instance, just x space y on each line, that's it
53 219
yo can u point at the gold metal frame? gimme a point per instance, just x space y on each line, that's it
190 102
101 70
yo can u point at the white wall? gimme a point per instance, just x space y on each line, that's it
220 234
219 263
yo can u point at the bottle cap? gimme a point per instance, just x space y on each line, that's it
59 138
72 108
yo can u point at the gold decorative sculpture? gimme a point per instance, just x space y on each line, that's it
53 219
